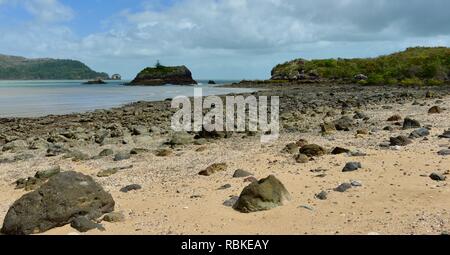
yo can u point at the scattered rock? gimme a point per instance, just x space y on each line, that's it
214 168
163 152
438 177
343 187
328 128
231 202
106 153
394 118
409 123
241 173
313 150
83 224
107 172
46 174
137 151
291 148
250 179
56 203
77 155
263 195
356 184
224 187
362 132
123 155
181 138
421 132
344 124
339 150
446 134
302 159
322 195
114 217
435 110
352 166
15 146
400 141
445 152
131 187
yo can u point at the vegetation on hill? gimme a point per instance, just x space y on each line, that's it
18 68
414 66
161 75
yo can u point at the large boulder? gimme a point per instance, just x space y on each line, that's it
263 195
65 197
162 75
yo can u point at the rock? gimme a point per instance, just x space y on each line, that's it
163 152
438 177
344 124
106 153
343 187
211 82
302 142
360 116
181 138
263 195
224 187
250 179
339 150
46 174
162 75
322 195
445 152
291 148
114 217
55 150
107 172
388 128
362 132
30 183
435 110
446 134
352 166
214 168
361 77
137 151
131 187
95 82
328 128
302 159
394 118
231 202
83 224
357 154
77 155
313 150
139 130
421 132
56 203
356 184
409 123
123 155
241 174
15 146
400 141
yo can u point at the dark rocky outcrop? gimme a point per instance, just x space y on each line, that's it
162 75
65 197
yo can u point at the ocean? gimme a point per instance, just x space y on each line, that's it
41 98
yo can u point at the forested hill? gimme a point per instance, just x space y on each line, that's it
19 68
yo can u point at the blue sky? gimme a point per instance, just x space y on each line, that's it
217 39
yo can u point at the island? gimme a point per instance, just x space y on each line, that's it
95 82
20 68
162 75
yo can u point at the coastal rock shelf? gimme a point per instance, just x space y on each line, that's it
162 75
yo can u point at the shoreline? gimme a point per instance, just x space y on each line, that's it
394 179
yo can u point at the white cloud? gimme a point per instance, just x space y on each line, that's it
48 10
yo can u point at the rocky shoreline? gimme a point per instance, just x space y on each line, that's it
324 127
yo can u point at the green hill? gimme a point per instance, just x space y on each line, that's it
19 68
414 66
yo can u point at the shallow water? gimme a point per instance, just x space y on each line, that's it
40 98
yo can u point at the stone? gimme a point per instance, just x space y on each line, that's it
30 183
139 130
163 152
58 202
360 116
313 150
214 168
131 187
446 134
435 110
394 118
291 148
409 123
438 177
362 132
231 202
55 150
344 124
83 224
328 128
263 195
445 152
15 146
224 187
107 172
77 155
181 138
400 141
302 159
46 174
106 153
339 150
302 142
343 187
137 151
114 217
123 155
421 132
241 174
322 195
352 166
250 179
356 184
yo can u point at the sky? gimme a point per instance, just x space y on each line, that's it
217 39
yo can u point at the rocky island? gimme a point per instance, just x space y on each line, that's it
162 75
20 68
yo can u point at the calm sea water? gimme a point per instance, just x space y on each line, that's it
41 98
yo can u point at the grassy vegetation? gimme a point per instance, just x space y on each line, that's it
15 68
414 66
